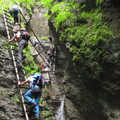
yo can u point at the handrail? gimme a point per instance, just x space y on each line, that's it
32 31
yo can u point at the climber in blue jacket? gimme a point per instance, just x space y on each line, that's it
36 82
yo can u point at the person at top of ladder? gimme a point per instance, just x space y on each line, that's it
15 13
22 37
36 82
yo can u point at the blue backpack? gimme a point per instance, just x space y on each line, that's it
39 80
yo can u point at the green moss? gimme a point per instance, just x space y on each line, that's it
16 99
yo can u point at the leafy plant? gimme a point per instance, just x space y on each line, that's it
44 38
30 65
46 113
85 32
98 2
16 99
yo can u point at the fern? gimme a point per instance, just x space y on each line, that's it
98 2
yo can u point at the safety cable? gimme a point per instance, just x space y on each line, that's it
33 32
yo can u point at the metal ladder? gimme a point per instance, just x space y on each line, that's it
19 73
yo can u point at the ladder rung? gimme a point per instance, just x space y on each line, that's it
10 22
10 26
7 18
7 14
6 11
14 45
10 30
14 49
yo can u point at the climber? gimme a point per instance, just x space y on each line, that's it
17 35
50 53
34 41
15 13
36 82
45 65
22 37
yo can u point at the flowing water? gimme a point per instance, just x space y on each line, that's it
60 113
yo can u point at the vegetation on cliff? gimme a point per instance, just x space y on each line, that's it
83 32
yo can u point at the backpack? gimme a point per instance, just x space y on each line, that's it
15 9
25 36
39 80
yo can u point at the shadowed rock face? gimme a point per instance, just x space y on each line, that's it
111 12
2 27
95 99
9 109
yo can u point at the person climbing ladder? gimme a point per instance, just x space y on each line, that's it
36 82
22 37
15 13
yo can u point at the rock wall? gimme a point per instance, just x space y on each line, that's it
88 98
38 22
10 108
111 11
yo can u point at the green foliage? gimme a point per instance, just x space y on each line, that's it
98 2
85 32
44 38
50 118
61 11
6 45
47 3
16 99
46 113
41 100
30 65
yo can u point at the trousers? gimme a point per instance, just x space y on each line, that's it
29 97
22 45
